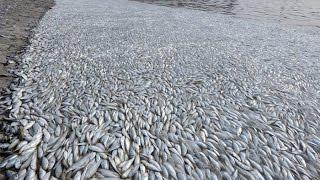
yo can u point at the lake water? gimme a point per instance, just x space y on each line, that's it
298 12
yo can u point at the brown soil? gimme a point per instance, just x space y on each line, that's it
17 19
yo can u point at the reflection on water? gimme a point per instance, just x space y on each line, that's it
299 12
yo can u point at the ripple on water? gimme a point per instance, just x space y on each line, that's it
297 12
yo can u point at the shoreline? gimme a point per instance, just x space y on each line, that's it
18 18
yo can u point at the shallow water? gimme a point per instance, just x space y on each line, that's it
298 12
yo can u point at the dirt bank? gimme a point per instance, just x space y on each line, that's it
17 19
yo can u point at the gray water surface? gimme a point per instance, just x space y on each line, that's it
297 12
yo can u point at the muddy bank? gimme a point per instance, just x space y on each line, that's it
17 19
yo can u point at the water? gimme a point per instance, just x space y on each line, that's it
298 12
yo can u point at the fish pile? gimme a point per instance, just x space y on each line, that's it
75 114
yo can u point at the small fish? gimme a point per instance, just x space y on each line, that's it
82 162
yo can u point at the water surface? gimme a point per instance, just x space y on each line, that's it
298 12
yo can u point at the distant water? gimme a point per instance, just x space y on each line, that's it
298 12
